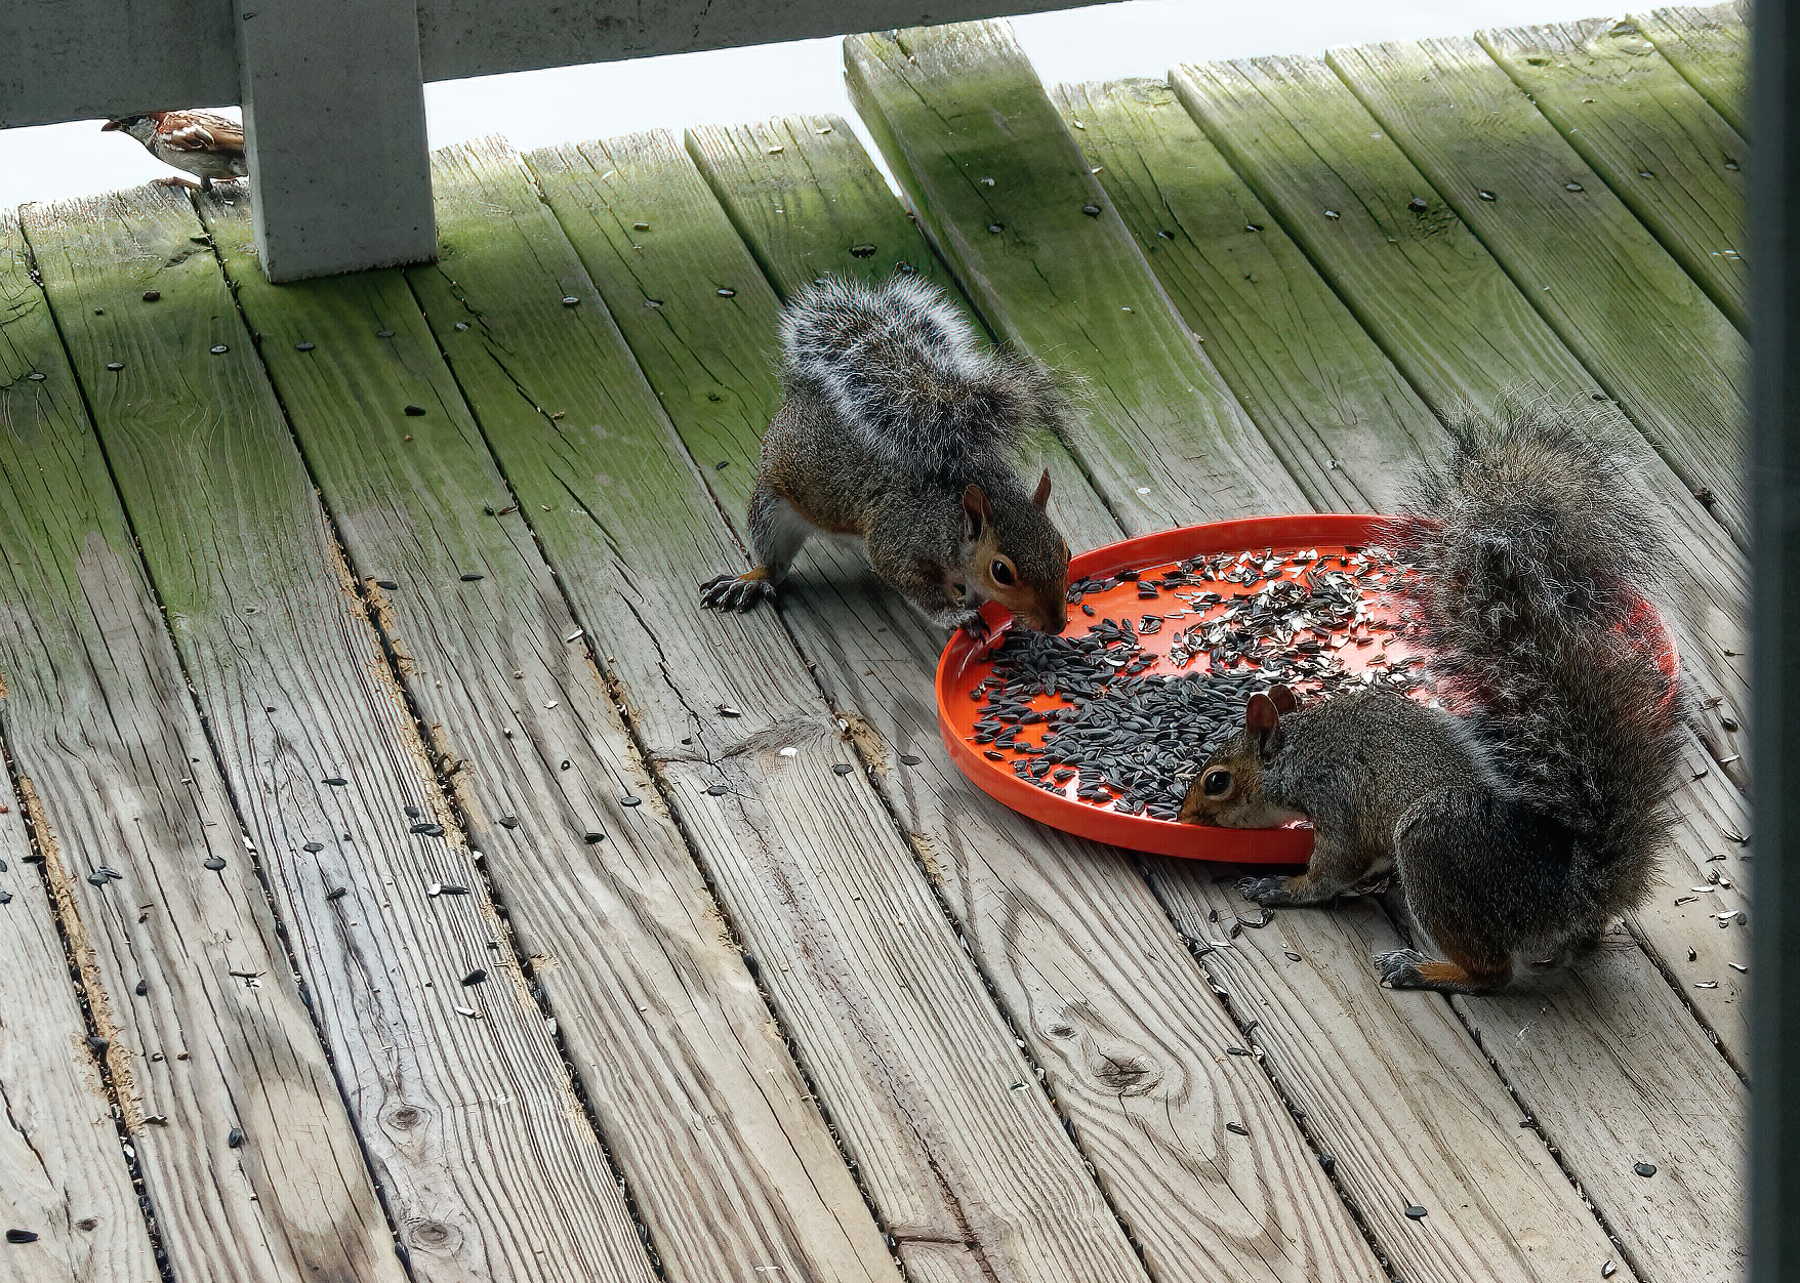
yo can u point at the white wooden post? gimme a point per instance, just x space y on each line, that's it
334 116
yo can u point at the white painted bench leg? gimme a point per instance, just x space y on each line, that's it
334 116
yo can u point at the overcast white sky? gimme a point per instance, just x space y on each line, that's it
730 86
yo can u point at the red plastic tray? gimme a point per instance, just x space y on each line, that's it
965 662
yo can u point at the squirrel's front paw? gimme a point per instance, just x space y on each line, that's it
971 622
1399 968
737 592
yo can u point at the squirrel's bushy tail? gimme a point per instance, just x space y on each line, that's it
909 375
1535 553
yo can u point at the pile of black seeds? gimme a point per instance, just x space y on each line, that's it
1138 739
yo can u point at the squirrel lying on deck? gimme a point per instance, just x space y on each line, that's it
895 431
1521 828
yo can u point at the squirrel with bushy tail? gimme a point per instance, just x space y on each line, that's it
1526 813
896 431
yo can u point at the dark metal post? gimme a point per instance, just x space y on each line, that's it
1775 561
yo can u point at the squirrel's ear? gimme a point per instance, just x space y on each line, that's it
1284 699
1262 720
1041 496
977 510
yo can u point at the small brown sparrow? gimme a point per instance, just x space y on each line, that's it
208 146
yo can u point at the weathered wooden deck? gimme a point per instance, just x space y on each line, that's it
447 897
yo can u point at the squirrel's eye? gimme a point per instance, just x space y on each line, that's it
1002 573
1217 783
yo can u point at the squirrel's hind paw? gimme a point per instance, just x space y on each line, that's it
1410 969
1265 891
1400 968
736 592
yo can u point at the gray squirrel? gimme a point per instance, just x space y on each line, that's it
1520 826
895 430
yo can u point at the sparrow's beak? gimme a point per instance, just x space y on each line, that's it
111 125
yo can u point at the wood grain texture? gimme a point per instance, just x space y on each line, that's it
561 392
61 1174
1293 354
489 1167
728 1162
954 107
1611 293
940 1263
1361 1062
99 721
1710 47
1650 134
913 1064
1602 1055
1442 309
1616 1076
1081 957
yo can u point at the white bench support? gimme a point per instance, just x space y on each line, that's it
334 115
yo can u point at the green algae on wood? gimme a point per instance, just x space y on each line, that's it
1618 300
1658 144
121 774
652 1003
1006 196
1343 419
292 680
1710 47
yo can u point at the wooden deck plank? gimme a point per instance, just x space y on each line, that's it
1599 1054
1440 306
1289 348
490 1169
61 1173
912 1062
1164 439
1080 955
99 722
728 1162
1019 896
1629 114
1710 47
1359 1061
1613 295
1413 305
611 525
1615 1080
